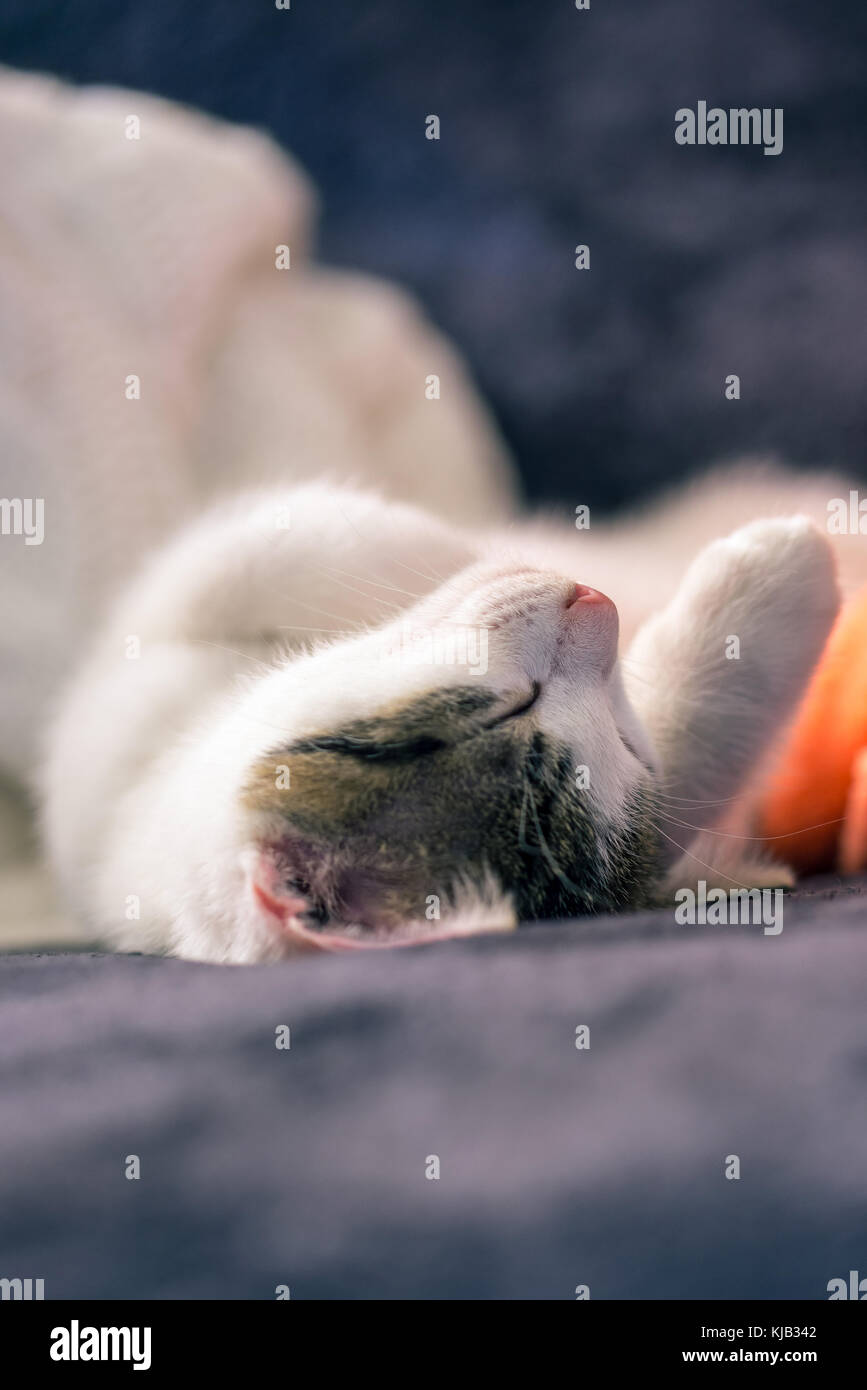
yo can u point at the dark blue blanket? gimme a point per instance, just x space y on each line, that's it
558 1167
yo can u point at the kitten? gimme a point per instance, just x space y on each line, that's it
323 720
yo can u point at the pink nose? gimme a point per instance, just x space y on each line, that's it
584 594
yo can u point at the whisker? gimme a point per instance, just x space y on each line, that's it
374 598
338 617
377 583
710 868
543 844
329 631
233 651
693 802
429 577
757 839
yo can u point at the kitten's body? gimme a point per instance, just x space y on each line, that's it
255 758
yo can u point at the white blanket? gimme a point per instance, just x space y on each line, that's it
141 240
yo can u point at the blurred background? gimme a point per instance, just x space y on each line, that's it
557 128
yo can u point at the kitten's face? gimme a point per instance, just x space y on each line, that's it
483 741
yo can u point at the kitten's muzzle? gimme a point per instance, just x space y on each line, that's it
594 625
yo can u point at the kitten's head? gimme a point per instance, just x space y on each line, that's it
480 746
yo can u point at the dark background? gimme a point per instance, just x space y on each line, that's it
558 128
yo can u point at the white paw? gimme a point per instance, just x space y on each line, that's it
771 542
777 575
782 541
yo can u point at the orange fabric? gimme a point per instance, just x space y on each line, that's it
821 776
852 858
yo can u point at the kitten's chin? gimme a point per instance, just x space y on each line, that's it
630 726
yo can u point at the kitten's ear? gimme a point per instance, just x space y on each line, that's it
292 892
286 889
716 675
290 909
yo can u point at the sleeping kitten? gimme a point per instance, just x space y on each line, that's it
320 719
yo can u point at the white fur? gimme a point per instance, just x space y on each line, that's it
252 634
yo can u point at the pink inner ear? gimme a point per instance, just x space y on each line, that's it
268 889
284 910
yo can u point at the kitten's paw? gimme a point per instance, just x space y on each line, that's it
723 667
783 543
777 546
777 577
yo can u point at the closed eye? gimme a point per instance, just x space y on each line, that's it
364 742
525 704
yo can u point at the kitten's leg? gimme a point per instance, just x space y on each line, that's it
718 672
292 566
